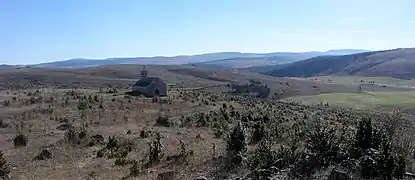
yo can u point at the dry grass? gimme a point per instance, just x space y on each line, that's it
120 114
384 101
117 117
37 113
122 76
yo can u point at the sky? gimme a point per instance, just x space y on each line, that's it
35 31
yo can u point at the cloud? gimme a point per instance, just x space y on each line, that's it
289 34
359 31
412 21
354 19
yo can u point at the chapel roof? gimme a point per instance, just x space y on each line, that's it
146 81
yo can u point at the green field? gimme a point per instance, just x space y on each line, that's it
354 80
385 101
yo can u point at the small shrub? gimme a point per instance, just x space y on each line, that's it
163 121
96 139
323 141
236 146
259 133
220 128
262 158
101 153
112 90
156 151
121 152
400 166
183 151
116 148
44 154
33 100
112 143
4 167
144 134
96 99
202 120
288 154
20 140
182 157
82 133
122 162
75 135
135 169
363 137
6 103
82 105
71 135
377 154
236 142
3 124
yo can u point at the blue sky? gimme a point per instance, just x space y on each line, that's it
33 31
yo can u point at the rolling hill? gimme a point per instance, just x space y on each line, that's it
157 60
115 75
122 76
269 59
119 75
5 66
398 63
246 62
220 59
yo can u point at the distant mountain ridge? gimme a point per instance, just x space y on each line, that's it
345 52
269 59
7 66
398 63
220 59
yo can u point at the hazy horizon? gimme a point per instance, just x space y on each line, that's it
120 57
59 30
